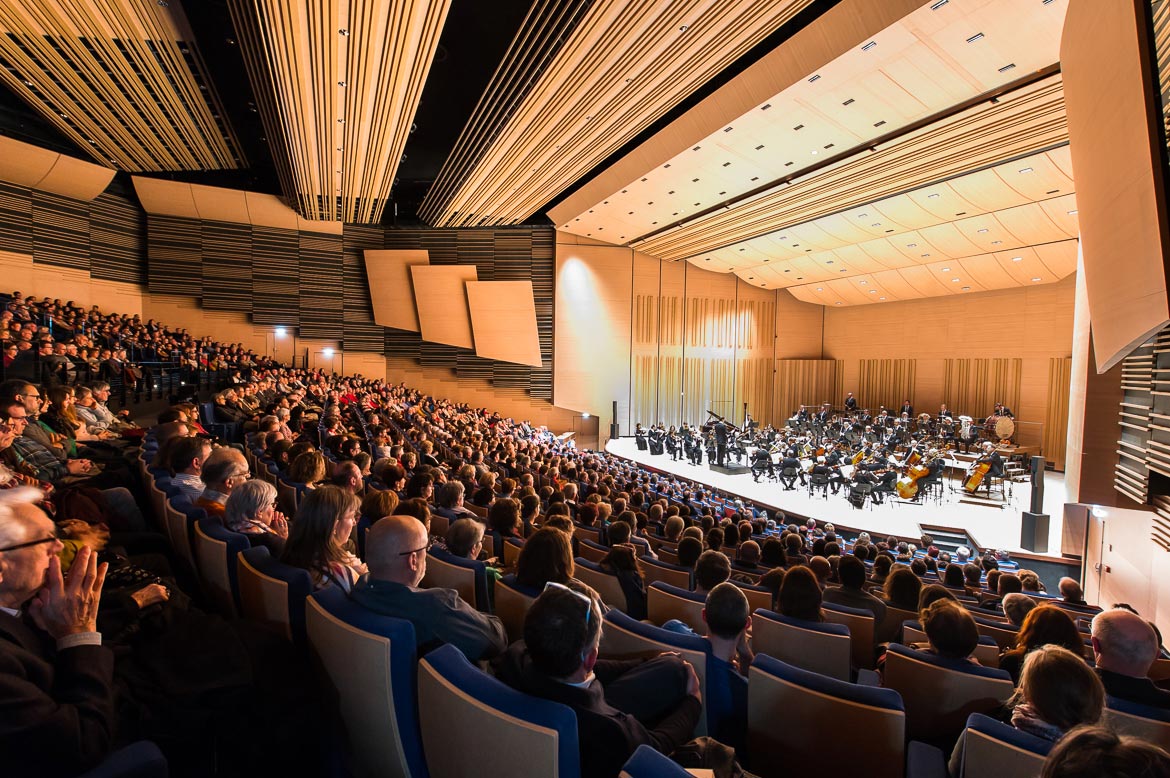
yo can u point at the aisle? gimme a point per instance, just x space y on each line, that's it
997 527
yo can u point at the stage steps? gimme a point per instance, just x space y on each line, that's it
947 538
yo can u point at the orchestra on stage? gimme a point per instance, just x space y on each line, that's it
867 457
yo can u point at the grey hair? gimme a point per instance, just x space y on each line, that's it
11 528
248 499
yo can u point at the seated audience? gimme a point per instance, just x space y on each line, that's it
1057 692
800 595
1092 752
187 458
1124 647
1044 625
251 510
396 552
711 569
950 630
850 593
321 540
224 470
1016 606
465 540
902 589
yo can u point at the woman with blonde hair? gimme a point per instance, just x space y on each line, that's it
320 540
308 469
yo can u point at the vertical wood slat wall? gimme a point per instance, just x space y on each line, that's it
885 382
698 347
1056 417
806 382
976 385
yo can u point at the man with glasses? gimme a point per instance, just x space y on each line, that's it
620 704
56 678
396 553
223 470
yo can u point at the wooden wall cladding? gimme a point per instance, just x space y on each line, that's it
976 385
1056 420
441 296
805 382
391 291
317 282
103 235
886 382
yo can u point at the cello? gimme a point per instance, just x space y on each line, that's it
976 474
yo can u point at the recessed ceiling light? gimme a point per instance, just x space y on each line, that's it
1017 259
966 289
926 255
1036 279
828 262
844 269
945 269
836 303
814 152
869 46
954 280
933 196
814 78
939 4
1073 212
684 28
982 230
881 298
800 278
1007 67
876 224
911 245
873 291
820 289
976 37
996 242
1025 170
863 282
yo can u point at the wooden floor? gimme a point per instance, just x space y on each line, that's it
992 526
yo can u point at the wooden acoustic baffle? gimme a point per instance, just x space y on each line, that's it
441 297
388 272
503 318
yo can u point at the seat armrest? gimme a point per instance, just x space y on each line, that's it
868 678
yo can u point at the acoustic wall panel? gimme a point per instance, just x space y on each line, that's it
391 289
441 299
503 319
320 286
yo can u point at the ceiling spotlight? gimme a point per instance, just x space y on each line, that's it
1017 259
945 269
1025 170
820 289
1036 278
911 245
954 280
1073 212
341 84
873 291
982 230
966 289
684 28
343 33
881 298
933 196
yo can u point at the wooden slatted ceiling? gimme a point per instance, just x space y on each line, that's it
120 78
836 86
624 65
1026 122
338 84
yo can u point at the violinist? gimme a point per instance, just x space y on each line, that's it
640 437
672 446
762 463
790 470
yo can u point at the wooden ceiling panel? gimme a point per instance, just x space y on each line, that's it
122 79
949 240
924 282
1059 258
985 271
1030 224
1022 265
1062 211
337 83
1037 178
620 68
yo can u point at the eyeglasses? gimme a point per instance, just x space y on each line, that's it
584 598
51 539
427 547
37 395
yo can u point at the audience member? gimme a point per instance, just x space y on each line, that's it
1124 647
1094 752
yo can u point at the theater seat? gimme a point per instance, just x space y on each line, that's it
986 653
992 748
807 724
512 602
940 693
511 551
272 593
594 552
605 584
624 638
368 663
648 763
216 550
1143 721
466 576
141 759
813 646
861 631
474 725
657 570
665 602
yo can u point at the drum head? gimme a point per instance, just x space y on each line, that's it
1005 427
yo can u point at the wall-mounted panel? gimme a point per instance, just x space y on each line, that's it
391 290
503 321
443 314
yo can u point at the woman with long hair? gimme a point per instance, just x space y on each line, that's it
321 538
1044 625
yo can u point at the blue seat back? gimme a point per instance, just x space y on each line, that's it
515 735
273 593
369 663
648 763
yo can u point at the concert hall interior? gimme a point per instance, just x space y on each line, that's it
706 249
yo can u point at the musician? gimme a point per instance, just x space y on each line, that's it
657 435
672 446
824 414
1003 410
850 402
750 423
693 445
993 457
790 470
761 463
944 412
885 484
884 419
907 408
640 437
864 418
720 443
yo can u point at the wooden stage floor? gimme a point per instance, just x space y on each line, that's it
993 527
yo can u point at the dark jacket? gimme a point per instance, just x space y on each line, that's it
1139 690
607 737
58 706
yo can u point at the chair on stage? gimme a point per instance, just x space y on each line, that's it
788 476
818 482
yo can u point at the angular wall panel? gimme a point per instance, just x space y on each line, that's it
503 318
391 288
439 294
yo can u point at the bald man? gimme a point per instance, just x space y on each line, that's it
1125 646
396 553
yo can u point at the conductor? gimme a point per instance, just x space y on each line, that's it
720 443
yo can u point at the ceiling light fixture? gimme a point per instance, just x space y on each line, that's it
1036 279
1017 259
1025 170
976 37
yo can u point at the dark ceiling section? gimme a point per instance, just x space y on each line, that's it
18 120
475 38
548 24
218 43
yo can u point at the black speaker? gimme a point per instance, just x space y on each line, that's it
1038 484
1034 532
614 429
